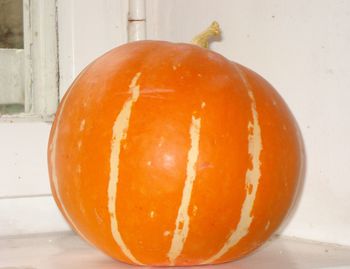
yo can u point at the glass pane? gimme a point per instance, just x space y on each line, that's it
11 24
11 109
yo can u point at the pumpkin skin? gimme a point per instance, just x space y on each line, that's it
170 154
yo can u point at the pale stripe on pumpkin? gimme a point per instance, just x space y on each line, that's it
183 219
53 149
120 129
251 179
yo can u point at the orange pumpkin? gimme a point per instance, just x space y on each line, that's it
170 154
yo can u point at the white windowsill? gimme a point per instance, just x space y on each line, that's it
66 250
25 117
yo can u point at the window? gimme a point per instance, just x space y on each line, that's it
28 59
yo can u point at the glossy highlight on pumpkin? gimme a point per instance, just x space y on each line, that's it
171 154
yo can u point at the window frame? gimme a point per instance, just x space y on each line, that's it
41 77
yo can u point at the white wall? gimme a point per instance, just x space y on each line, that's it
303 49
25 201
87 29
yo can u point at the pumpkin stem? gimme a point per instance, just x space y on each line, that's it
203 38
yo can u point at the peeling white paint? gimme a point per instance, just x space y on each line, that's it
183 219
120 129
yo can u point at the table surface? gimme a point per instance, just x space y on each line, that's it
68 251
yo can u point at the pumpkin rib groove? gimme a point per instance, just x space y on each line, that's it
252 176
52 161
120 129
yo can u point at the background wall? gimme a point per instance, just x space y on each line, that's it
301 47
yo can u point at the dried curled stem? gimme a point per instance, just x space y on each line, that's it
203 38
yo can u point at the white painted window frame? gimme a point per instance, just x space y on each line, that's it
40 62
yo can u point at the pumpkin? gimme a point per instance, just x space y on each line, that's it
171 154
